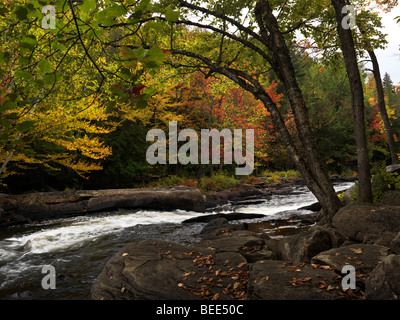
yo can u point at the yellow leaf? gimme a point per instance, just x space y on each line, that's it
358 251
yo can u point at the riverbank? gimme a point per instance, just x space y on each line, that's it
36 207
80 246
234 263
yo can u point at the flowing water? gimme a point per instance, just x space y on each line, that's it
79 247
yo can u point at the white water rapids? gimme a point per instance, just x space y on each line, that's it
79 247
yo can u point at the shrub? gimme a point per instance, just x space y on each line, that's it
251 180
218 182
382 181
282 174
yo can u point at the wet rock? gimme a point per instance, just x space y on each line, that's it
391 198
384 281
219 227
228 216
394 168
363 257
315 207
395 243
348 195
239 193
279 280
159 270
236 241
359 221
300 248
17 209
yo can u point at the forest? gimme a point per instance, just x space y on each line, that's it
83 82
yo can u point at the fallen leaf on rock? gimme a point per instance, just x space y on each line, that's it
299 281
326 267
241 264
124 254
358 251
322 284
330 287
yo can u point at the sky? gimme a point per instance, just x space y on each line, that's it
389 59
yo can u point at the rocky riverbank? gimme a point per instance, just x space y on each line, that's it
22 209
28 208
231 262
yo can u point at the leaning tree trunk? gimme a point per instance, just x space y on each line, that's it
382 108
350 59
306 158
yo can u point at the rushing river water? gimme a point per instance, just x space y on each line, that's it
79 247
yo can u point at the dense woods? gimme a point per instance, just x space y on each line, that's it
77 101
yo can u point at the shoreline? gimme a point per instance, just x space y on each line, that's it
27 208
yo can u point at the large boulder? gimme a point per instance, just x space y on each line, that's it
363 257
391 198
279 280
384 281
394 168
358 222
300 248
159 270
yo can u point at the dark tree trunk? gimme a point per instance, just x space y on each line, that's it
350 59
306 158
382 108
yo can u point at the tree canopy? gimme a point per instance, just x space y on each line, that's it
79 96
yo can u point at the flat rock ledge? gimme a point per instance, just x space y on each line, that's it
21 209
231 262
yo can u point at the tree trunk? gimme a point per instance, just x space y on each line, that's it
307 159
382 108
350 59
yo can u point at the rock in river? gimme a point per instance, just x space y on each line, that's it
18 209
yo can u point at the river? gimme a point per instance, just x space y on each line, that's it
78 248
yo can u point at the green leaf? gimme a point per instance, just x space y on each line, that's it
3 10
49 78
117 11
4 57
88 5
140 53
44 66
171 15
22 74
25 126
21 13
126 73
142 102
